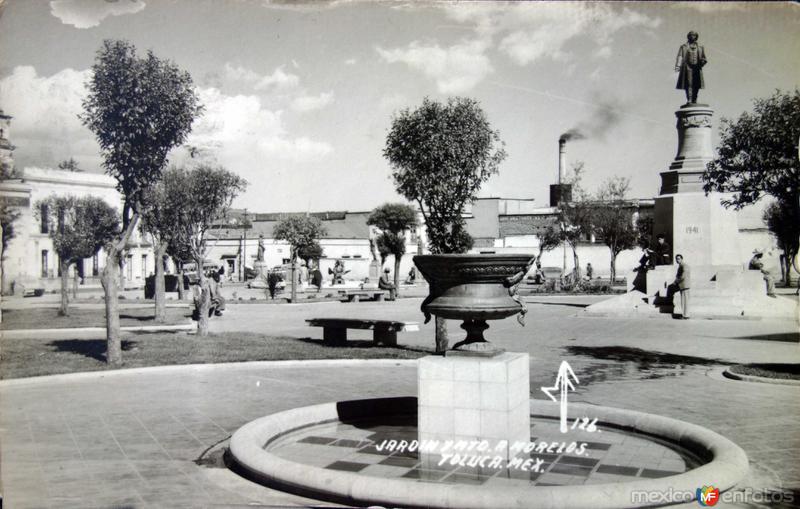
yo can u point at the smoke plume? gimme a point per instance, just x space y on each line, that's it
604 117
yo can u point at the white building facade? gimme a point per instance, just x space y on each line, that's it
30 260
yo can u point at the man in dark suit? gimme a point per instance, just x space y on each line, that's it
661 254
684 282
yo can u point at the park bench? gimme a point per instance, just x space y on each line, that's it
334 330
358 294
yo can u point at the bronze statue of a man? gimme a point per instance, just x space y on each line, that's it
689 65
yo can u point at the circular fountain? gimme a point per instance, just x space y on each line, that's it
473 438
340 452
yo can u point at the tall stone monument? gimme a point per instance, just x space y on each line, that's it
697 226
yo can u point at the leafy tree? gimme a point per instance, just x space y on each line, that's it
312 251
440 155
757 156
574 217
612 219
784 223
8 216
207 193
69 165
78 227
162 211
179 249
393 219
549 239
139 108
758 153
301 232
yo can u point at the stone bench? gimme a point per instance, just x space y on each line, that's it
356 295
334 330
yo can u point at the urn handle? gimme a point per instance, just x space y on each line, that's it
512 283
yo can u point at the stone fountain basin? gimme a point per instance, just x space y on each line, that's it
725 463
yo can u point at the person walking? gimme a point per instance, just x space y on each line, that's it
683 282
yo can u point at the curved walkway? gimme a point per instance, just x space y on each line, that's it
130 438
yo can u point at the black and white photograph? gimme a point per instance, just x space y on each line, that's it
396 254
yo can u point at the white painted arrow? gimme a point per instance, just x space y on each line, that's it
565 385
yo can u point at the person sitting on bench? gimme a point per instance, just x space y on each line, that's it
384 283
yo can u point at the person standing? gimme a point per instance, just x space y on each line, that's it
683 282
757 263
589 272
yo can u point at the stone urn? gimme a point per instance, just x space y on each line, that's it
474 288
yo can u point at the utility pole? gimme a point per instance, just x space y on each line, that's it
244 247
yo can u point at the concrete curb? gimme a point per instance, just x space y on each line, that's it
727 373
70 331
149 370
727 466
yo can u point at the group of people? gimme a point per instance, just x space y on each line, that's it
660 255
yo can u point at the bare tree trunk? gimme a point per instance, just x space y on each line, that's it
397 259
203 303
179 270
64 309
75 278
442 339
613 268
109 279
787 261
293 295
576 263
160 298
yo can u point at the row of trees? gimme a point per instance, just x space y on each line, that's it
140 108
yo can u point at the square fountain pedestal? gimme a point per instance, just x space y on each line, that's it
475 398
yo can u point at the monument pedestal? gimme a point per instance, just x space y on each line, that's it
260 268
474 399
698 227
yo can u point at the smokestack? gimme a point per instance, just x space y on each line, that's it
562 192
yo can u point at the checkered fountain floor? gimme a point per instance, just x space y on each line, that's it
610 456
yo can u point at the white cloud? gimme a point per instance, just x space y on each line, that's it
89 13
705 7
350 61
279 79
304 5
312 102
243 133
530 31
45 127
455 69
239 130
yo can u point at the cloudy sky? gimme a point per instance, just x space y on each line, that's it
299 96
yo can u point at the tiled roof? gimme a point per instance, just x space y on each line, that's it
339 225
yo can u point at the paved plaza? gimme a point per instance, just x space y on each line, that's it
132 438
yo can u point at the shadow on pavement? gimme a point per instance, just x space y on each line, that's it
788 337
639 356
92 348
570 304
364 343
